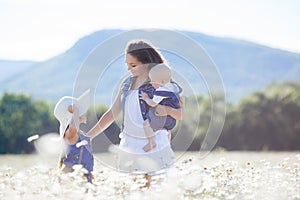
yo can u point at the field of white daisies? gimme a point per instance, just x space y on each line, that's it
220 175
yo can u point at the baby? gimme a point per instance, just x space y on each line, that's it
166 93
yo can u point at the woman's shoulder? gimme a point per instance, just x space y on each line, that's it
128 79
126 83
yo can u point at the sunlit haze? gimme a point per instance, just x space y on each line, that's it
38 30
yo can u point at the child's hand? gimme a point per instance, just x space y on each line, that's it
144 96
72 108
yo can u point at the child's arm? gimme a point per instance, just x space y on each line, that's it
144 96
71 135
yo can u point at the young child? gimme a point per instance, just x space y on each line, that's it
166 93
71 112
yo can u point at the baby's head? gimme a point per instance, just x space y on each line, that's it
160 74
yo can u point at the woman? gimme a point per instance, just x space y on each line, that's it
140 58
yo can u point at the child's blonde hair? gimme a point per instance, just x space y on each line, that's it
161 71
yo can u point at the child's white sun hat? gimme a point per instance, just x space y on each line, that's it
61 109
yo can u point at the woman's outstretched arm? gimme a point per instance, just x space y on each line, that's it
107 118
176 113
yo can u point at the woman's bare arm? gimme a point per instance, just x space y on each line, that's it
107 118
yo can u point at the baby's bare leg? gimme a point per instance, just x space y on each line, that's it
149 134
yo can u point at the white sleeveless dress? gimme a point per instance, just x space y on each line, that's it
132 157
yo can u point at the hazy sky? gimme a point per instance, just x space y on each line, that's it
40 29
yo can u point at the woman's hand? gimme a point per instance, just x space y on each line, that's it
161 110
173 112
83 119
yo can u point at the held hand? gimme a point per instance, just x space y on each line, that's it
83 119
161 110
144 96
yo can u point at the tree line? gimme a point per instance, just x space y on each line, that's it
264 120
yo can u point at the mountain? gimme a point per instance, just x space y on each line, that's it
10 68
244 67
